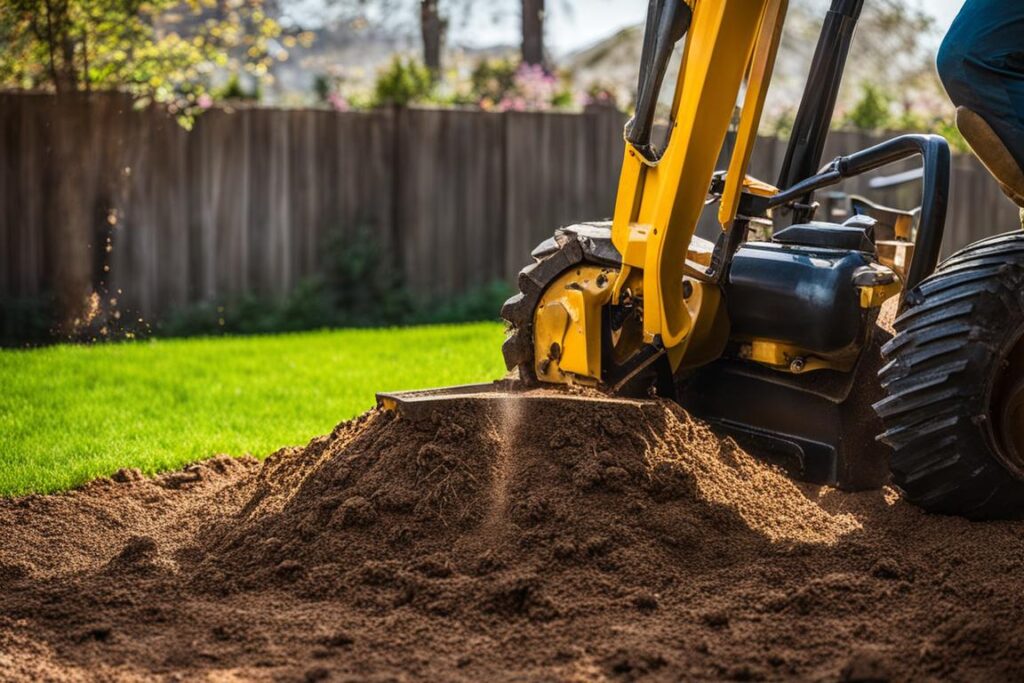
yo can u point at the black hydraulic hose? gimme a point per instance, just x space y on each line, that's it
807 140
667 22
934 152
650 32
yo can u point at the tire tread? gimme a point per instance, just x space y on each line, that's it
936 375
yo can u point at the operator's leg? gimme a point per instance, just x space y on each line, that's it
981 63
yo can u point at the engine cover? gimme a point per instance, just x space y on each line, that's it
817 425
805 296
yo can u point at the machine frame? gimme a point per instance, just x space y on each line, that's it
728 57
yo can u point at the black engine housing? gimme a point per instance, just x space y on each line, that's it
804 296
818 425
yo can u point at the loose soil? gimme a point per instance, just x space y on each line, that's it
531 538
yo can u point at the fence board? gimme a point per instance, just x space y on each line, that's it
244 202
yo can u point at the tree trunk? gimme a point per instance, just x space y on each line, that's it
67 75
432 28
533 31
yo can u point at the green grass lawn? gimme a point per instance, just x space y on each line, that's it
72 413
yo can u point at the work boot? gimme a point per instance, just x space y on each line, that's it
992 152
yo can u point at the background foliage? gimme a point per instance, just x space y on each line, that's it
357 286
159 50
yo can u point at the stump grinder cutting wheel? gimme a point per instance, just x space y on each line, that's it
775 340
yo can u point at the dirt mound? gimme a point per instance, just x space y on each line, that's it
544 537
549 485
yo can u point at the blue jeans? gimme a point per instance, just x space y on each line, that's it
981 63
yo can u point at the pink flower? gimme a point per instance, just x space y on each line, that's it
536 88
338 102
204 101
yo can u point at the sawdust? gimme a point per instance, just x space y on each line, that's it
535 538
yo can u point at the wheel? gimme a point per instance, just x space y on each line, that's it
954 384
552 257
586 244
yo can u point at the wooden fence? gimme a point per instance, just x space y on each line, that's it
95 193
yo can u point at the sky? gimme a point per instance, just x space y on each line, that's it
573 24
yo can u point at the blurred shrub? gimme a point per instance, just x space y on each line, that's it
507 85
481 303
403 82
601 95
235 90
779 124
492 81
497 84
359 282
948 130
27 321
873 111
322 87
357 286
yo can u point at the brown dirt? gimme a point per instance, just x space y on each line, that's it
524 539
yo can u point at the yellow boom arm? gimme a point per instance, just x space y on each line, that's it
730 44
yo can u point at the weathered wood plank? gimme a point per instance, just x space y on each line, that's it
245 202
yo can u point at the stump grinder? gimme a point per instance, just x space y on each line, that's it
769 332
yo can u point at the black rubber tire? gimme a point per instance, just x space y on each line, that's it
939 374
587 243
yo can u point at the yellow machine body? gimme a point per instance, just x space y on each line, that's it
770 331
727 61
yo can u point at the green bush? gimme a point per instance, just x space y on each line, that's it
493 80
601 95
403 82
780 124
478 304
234 90
357 286
873 112
359 282
948 130
27 321
563 99
322 87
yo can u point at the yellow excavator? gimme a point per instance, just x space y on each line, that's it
770 331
